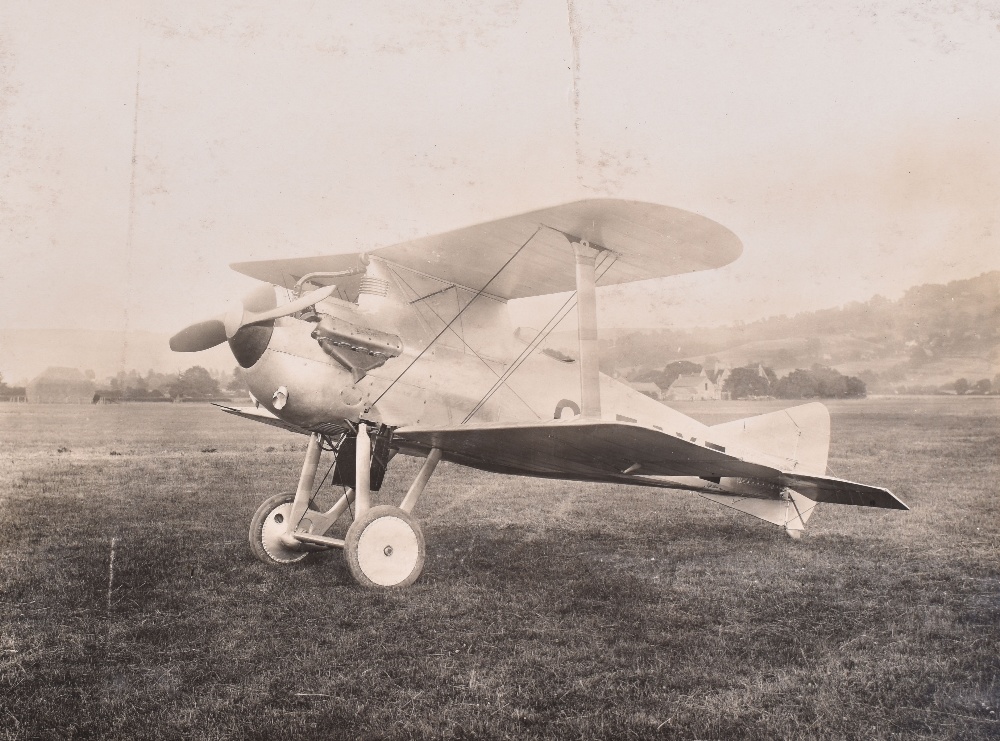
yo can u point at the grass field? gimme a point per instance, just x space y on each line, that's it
131 606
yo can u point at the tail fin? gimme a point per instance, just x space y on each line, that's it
799 440
799 436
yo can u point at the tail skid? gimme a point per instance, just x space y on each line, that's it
790 511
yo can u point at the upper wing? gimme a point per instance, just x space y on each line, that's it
647 241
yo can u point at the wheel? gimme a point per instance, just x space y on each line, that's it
385 548
267 527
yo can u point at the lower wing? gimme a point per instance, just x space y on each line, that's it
590 450
612 452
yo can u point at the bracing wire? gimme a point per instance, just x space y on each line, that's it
461 338
537 341
462 311
532 346
327 444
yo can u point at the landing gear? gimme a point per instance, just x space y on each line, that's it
384 546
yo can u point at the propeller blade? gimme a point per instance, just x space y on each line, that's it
240 317
200 336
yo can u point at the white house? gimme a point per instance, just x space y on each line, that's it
693 387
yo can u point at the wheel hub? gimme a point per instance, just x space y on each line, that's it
388 551
272 535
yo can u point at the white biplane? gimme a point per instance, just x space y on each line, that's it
409 349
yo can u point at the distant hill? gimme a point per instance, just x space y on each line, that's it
932 335
24 353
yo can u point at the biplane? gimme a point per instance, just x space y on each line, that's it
409 350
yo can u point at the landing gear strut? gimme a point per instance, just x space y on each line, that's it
384 545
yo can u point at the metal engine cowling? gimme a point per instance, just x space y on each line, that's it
357 348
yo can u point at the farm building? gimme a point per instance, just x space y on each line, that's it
692 387
60 386
718 377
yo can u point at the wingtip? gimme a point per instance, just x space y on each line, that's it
900 504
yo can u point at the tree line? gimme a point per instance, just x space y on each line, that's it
817 382
756 380
10 392
194 383
981 387
905 339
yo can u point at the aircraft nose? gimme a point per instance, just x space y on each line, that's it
247 339
250 341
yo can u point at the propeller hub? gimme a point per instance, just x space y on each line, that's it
249 343
234 318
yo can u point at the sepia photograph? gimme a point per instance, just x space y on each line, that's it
570 369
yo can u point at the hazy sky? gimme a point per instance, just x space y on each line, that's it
851 145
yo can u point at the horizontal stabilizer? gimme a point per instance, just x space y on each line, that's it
840 491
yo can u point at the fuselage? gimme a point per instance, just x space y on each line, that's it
460 363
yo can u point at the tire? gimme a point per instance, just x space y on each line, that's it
385 548
266 528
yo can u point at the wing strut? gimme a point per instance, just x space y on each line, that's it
608 259
586 312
